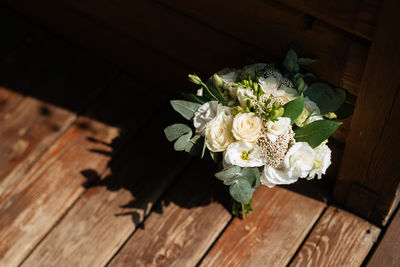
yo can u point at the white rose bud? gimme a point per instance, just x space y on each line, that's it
219 133
279 127
246 127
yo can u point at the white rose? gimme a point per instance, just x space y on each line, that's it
244 155
290 94
279 127
299 160
273 176
270 86
321 162
310 107
243 95
207 112
246 127
218 133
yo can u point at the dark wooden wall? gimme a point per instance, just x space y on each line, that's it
161 41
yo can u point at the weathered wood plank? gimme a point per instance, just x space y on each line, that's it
338 239
137 58
273 27
357 17
34 204
370 153
183 227
8 100
388 251
270 235
109 212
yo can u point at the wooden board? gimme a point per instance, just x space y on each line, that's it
357 17
183 227
271 234
137 58
388 251
272 27
109 212
32 207
8 100
338 239
370 152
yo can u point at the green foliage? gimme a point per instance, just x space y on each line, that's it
316 132
182 142
214 92
326 98
229 175
294 108
185 108
252 175
291 61
241 191
305 61
195 146
198 99
300 84
175 131
345 111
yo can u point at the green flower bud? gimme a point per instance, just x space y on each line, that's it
194 79
276 105
278 112
217 81
330 115
248 103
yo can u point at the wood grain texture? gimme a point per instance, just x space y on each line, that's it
33 205
388 251
8 100
109 212
183 227
137 58
370 153
272 27
338 239
354 16
270 235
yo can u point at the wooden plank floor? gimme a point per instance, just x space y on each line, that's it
87 179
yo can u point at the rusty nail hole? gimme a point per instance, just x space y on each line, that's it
368 231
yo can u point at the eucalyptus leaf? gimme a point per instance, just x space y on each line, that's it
316 132
182 142
241 191
252 175
185 108
326 98
194 147
290 62
294 108
229 175
305 61
175 131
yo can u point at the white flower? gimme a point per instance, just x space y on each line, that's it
246 127
270 86
207 112
310 107
279 127
218 133
244 155
200 92
321 162
273 176
243 95
290 94
297 164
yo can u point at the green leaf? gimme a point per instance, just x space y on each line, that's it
198 99
241 191
229 175
316 132
300 84
185 108
345 110
326 98
252 175
305 61
175 131
194 147
216 92
294 108
182 142
290 62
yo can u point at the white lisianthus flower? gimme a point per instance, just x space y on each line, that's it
270 86
243 95
244 155
297 164
289 95
218 133
310 107
246 127
273 176
207 112
279 127
321 162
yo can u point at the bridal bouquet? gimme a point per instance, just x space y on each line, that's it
260 125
